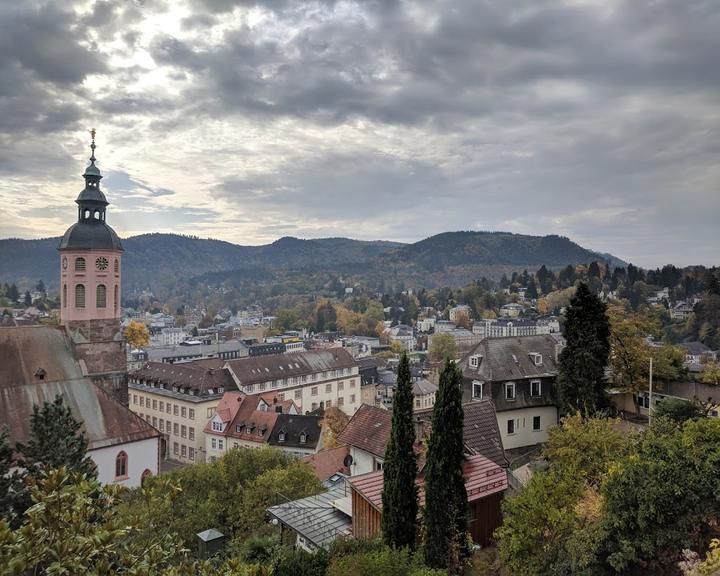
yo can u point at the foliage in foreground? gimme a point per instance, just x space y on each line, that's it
615 504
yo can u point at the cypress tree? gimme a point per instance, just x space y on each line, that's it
583 360
445 494
400 495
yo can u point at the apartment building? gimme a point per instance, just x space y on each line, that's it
313 379
179 400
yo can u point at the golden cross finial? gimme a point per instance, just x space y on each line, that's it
92 145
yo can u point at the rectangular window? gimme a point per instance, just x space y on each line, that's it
134 398
210 412
183 451
191 433
162 406
191 453
191 413
510 391
142 401
176 429
511 426
176 410
217 426
477 390
341 401
536 423
154 404
535 388
328 388
261 386
154 421
183 412
352 383
328 404
341 386
314 406
213 443
176 448
313 391
183 431
298 394
168 407
220 444
352 398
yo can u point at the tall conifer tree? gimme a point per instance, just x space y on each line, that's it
445 494
583 360
400 495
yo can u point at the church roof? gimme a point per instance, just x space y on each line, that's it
37 365
90 235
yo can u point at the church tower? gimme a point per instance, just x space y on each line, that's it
90 283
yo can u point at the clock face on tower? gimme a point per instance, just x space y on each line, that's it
101 263
64 263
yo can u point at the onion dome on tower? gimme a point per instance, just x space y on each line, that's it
91 232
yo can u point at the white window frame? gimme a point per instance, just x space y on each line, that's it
477 383
510 386
539 383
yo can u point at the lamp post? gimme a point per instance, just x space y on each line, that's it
650 407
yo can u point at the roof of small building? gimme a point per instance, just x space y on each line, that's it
256 369
327 463
421 387
482 478
293 426
481 433
368 429
316 518
37 365
694 348
510 358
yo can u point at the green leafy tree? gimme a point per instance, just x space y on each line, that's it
56 440
12 488
445 495
583 360
679 410
400 495
443 346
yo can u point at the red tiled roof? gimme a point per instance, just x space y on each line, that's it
482 478
328 462
368 429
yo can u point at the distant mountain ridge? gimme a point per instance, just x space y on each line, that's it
452 258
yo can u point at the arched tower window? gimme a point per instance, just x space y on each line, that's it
115 301
121 465
97 215
117 266
86 214
79 264
79 296
101 296
64 297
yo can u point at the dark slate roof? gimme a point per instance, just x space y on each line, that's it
293 425
185 376
90 235
368 429
694 348
315 518
481 433
256 369
509 358
27 350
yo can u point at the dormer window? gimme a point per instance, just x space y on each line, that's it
477 389
303 438
536 358
217 426
475 360
40 374
281 436
535 388
510 391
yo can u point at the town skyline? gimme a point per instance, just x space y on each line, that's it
233 121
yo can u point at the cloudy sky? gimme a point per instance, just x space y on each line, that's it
375 119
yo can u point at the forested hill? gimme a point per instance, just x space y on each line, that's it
450 258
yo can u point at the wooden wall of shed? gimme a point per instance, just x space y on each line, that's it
366 520
485 517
